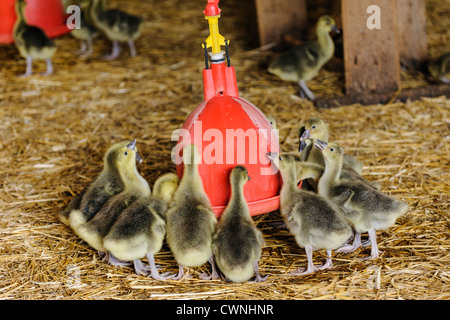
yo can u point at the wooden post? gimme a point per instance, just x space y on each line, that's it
371 57
276 17
412 33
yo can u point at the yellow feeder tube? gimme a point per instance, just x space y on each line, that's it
215 39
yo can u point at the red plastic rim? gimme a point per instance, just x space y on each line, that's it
256 207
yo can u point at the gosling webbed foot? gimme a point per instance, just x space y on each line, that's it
140 268
205 276
28 71
115 52
303 271
154 269
351 247
49 68
214 274
181 274
83 48
114 261
47 73
86 50
328 263
311 268
258 277
348 248
305 92
375 253
132 48
26 74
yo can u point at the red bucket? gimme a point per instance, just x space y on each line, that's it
46 14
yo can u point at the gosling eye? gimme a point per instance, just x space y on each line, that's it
331 149
126 153
313 127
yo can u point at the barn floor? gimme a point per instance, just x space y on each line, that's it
55 130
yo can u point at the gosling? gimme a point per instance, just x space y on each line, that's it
316 129
365 208
134 186
237 242
118 26
140 229
315 222
302 63
109 182
190 219
440 68
31 41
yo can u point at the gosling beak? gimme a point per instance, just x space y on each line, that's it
301 131
320 144
335 29
248 177
306 134
272 155
302 144
132 146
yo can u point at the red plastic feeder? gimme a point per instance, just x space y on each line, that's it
230 131
46 14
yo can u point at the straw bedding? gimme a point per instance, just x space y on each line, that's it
55 130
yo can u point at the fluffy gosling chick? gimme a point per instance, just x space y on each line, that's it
107 184
140 229
302 63
134 186
190 219
31 41
365 208
237 242
316 128
315 222
86 34
440 68
117 25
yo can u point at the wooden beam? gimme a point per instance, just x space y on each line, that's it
276 17
435 90
412 33
371 57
